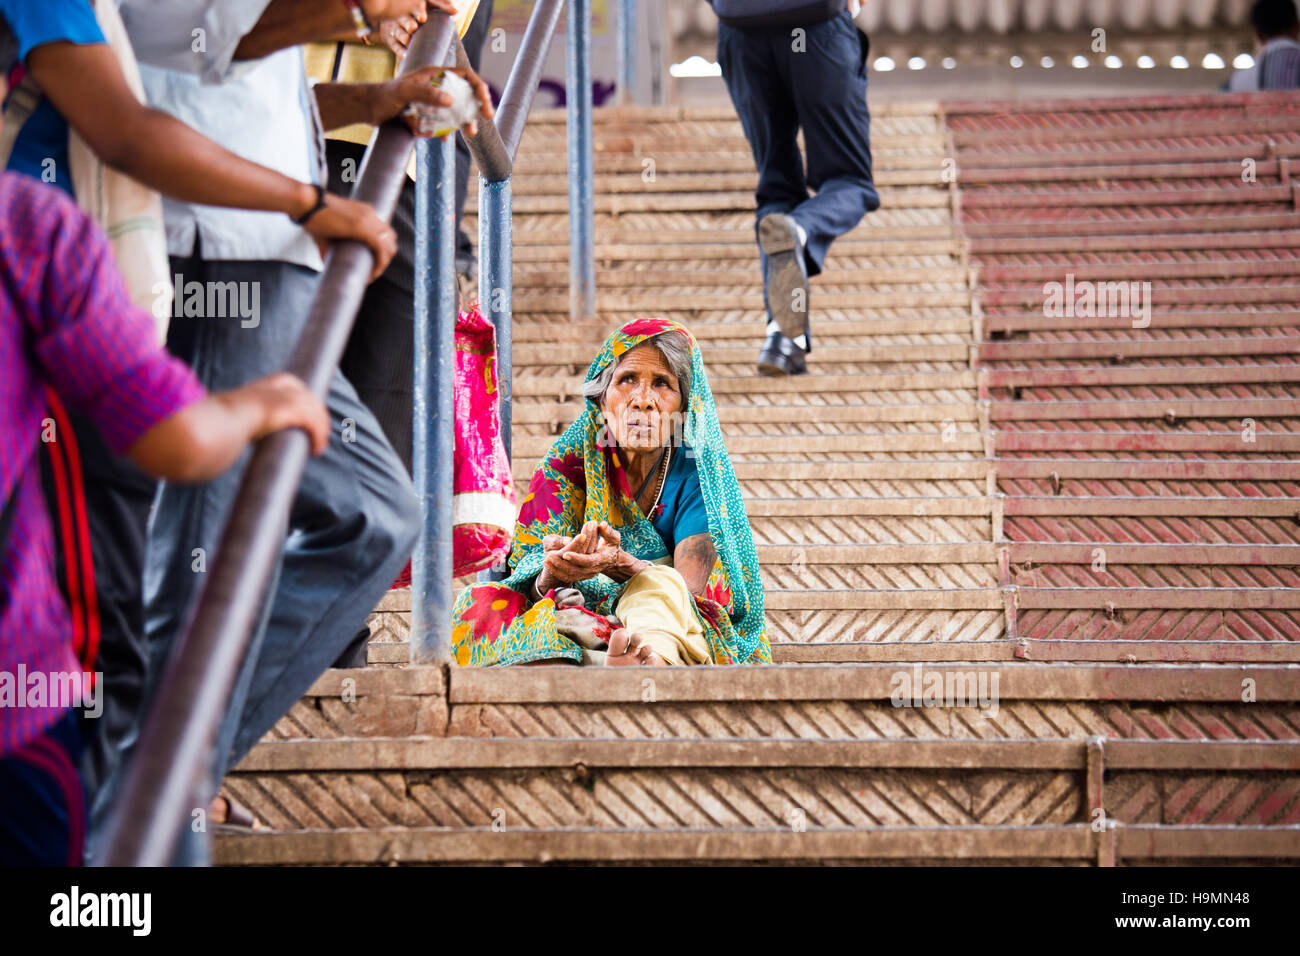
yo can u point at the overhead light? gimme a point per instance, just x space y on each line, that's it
916 63
1243 61
1212 61
949 63
1079 62
1047 62
1113 62
1146 63
1179 63
695 66
883 64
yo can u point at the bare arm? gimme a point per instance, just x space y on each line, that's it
202 440
694 558
86 85
342 104
287 23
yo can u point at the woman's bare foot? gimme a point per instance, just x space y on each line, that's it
627 649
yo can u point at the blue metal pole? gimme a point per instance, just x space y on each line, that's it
627 34
496 282
582 226
435 362
496 296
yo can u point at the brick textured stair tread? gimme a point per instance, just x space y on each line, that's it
1262 442
1139 375
1111 153
1008 323
743 354
861 442
872 681
933 651
560 415
1057 552
1229 507
553 386
529 283
1176 411
1030 680
1108 169
1221 598
913 469
977 844
1176 220
503 753
589 335
899 197
688 302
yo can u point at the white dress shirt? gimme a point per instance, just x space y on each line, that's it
262 110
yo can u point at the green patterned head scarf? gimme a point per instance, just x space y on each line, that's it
581 479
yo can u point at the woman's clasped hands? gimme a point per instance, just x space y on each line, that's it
596 549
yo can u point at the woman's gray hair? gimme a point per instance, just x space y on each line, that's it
676 351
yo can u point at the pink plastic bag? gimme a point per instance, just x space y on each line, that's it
483 502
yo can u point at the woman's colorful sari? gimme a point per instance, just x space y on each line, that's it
579 480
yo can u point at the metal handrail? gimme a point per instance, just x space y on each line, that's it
176 743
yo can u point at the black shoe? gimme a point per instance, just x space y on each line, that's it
785 280
780 356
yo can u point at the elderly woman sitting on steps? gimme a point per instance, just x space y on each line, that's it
632 545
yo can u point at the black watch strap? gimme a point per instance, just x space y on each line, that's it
320 204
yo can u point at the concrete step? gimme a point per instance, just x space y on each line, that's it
969 845
739 784
1037 698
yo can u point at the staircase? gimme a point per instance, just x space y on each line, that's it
955 679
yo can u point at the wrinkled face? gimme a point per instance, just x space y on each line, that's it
642 401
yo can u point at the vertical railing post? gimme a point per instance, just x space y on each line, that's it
496 283
435 363
496 297
627 48
582 249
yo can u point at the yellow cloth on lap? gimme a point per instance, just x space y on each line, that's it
657 604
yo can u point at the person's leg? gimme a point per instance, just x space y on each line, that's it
767 115
380 363
353 526
829 86
42 804
100 508
657 605
473 43
187 522
766 108
224 352
379 359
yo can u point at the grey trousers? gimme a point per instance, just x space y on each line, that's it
351 529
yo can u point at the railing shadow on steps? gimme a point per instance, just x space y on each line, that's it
176 742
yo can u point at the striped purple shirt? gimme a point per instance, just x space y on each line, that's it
65 322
